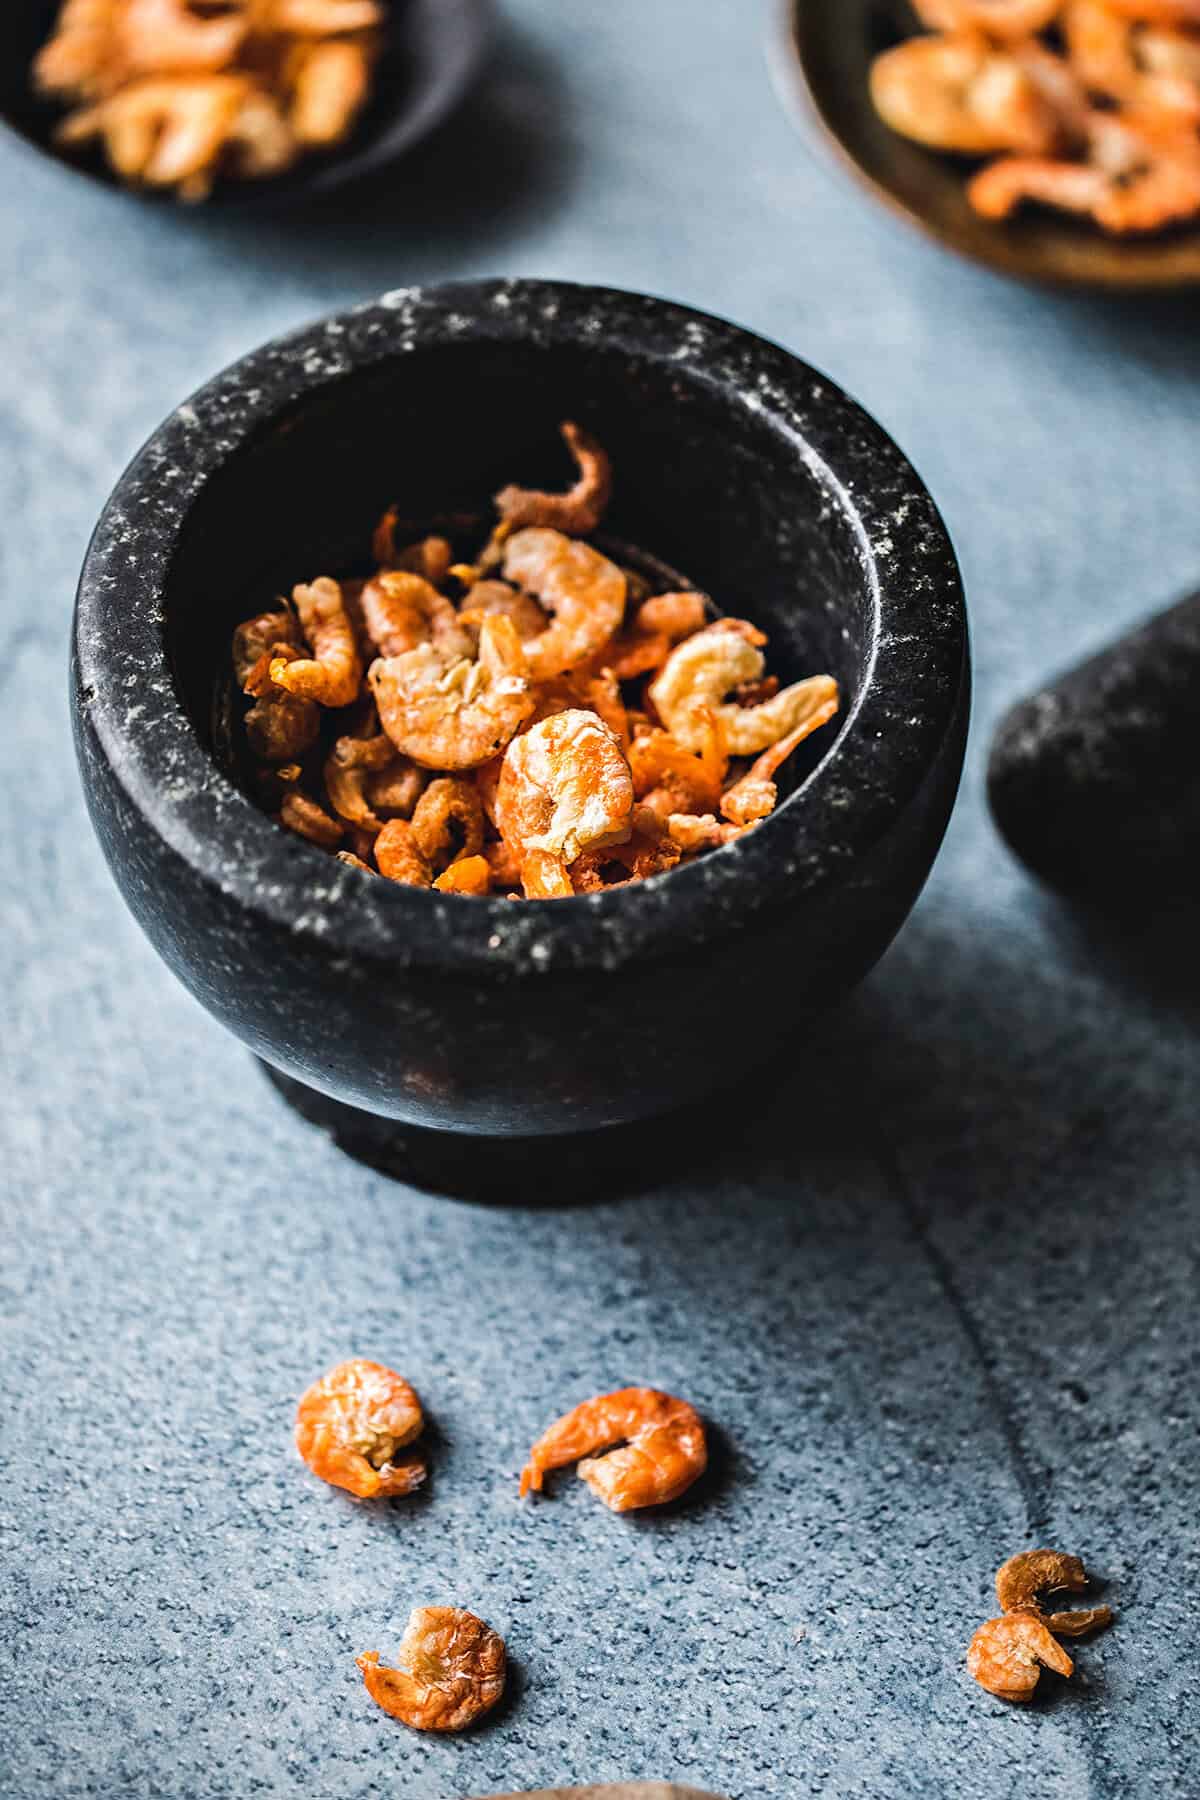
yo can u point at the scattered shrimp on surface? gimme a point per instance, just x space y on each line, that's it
401 611
704 668
350 1425
1024 1578
576 512
333 674
1007 1655
582 589
663 1448
565 787
354 862
450 1670
455 714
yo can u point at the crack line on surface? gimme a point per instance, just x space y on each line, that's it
1029 1483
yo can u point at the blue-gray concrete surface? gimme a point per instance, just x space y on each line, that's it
939 1294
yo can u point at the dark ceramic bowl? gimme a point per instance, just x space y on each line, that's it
433 49
822 57
736 464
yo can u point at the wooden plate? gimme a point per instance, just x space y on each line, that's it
822 57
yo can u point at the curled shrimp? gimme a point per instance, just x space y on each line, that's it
1143 172
82 58
1002 18
347 771
961 93
351 1423
669 778
1007 1655
649 850
316 18
396 788
1159 12
165 37
675 615
658 624
333 674
255 637
430 556
399 856
1109 55
492 599
165 130
576 512
663 1452
454 715
279 728
691 832
308 820
448 807
1024 1578
401 610
706 667
449 1671
564 788
584 591
355 862
755 794
328 84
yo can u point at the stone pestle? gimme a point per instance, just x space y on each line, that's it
1094 780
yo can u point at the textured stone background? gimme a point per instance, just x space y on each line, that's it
940 1294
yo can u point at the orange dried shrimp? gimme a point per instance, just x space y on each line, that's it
178 95
450 1670
549 729
1091 107
663 1448
352 1422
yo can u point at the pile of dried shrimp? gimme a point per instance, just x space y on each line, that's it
1089 106
179 92
537 723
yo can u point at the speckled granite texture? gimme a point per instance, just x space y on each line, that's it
939 1291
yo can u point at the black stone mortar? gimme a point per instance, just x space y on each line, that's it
735 463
